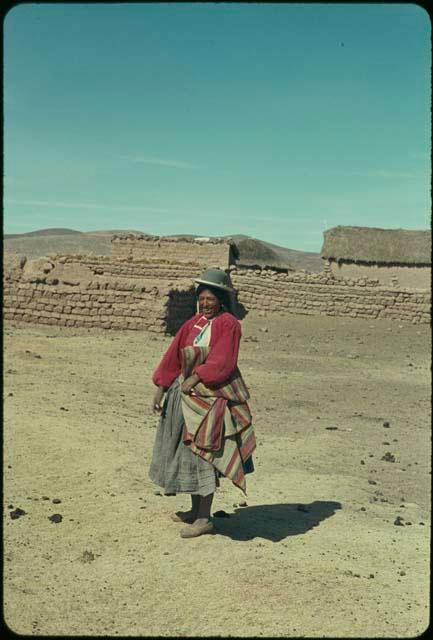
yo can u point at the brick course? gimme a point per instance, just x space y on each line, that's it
204 253
141 294
322 294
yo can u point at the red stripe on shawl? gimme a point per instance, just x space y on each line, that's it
202 433
242 414
191 357
248 447
239 478
217 423
209 434
235 458
211 429
199 402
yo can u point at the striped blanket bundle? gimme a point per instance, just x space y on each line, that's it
218 422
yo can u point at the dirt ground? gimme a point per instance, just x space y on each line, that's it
342 410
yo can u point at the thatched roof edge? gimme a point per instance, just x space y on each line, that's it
379 246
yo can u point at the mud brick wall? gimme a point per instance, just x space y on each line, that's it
148 269
94 306
323 294
407 276
66 291
103 305
205 253
122 293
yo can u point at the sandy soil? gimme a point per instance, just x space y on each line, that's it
315 553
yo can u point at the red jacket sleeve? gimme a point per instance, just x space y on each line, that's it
169 367
223 356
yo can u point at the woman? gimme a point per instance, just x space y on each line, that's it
205 429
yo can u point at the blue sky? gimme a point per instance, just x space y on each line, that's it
272 120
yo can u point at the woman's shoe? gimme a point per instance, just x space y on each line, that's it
198 529
187 517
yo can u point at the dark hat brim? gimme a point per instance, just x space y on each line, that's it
215 286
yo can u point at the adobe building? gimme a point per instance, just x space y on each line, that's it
147 284
396 257
201 252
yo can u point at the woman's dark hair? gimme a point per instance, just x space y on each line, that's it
223 296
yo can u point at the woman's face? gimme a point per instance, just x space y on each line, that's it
208 304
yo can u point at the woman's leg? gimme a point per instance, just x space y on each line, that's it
195 504
203 523
188 516
204 507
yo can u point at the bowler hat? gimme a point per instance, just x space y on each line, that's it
215 278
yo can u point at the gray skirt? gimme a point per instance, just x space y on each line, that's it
174 466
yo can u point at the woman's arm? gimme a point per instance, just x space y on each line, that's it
223 356
169 366
189 383
157 400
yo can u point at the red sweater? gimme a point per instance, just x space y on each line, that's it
221 361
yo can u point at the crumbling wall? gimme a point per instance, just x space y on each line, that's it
70 291
323 294
13 265
118 267
205 252
122 293
407 276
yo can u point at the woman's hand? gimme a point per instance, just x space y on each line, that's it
157 400
189 383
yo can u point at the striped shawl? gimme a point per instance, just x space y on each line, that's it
218 421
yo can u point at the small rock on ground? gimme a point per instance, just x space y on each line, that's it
17 513
56 517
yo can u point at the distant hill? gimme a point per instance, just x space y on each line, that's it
63 241
308 260
46 241
258 252
43 232
252 251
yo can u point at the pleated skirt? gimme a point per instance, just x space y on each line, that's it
174 466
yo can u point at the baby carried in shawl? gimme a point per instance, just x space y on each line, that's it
218 420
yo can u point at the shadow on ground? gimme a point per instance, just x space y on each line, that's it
274 521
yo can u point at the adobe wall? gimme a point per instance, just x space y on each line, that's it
121 293
407 276
79 291
205 252
118 267
322 294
